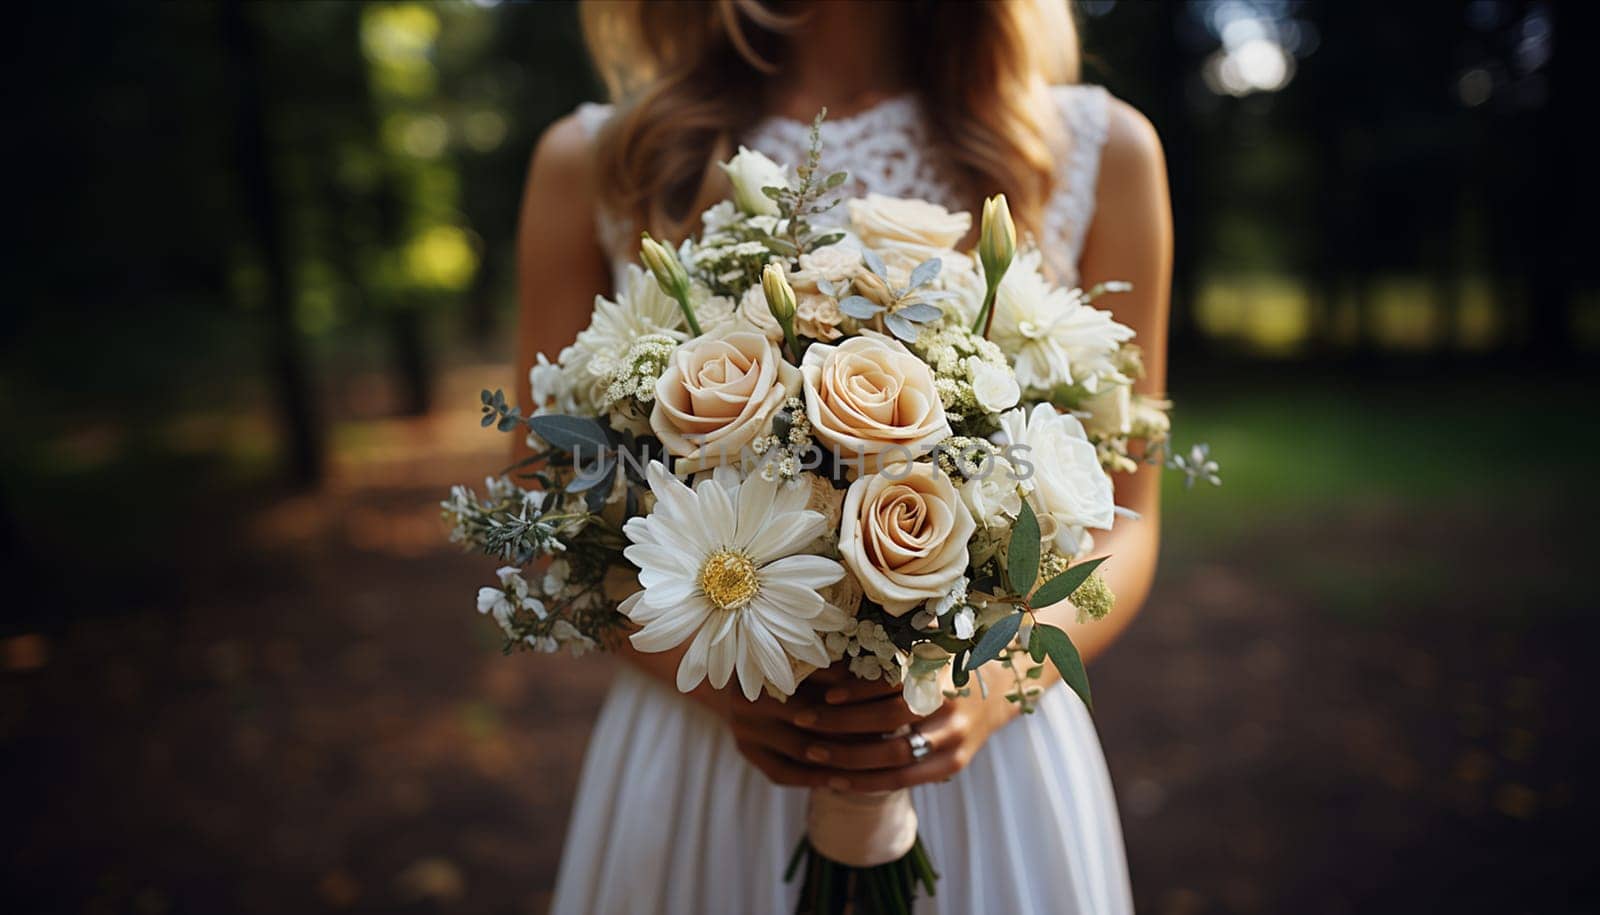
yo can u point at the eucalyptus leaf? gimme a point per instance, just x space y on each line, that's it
488 420
486 397
859 307
825 287
921 312
569 433
776 193
508 422
874 263
779 246
925 272
1022 558
594 476
958 669
1064 655
1061 587
836 179
832 238
994 640
901 328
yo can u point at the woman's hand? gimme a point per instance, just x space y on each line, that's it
841 732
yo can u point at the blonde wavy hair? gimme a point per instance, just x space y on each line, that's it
689 77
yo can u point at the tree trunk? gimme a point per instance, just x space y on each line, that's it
286 362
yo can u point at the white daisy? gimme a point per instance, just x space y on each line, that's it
724 567
641 308
1056 337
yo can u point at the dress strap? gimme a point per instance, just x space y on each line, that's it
1086 115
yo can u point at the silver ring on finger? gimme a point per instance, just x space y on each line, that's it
919 745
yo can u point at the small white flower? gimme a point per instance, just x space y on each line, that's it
924 690
750 171
964 623
995 386
555 577
992 495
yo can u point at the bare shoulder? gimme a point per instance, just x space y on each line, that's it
563 160
1132 157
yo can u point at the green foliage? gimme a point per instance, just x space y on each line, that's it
1062 586
1064 655
994 640
1022 558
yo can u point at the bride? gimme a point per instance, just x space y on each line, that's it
692 803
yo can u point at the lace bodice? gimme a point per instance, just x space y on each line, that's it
883 148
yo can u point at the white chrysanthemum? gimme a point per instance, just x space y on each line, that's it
1057 337
724 567
641 308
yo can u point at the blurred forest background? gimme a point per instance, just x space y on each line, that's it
265 262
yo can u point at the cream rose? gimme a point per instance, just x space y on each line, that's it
836 263
1110 412
1061 471
994 386
817 316
754 312
751 171
718 394
870 400
903 533
907 232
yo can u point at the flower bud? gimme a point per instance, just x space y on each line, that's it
780 295
669 273
997 241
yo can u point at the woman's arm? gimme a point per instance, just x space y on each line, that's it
1131 240
560 269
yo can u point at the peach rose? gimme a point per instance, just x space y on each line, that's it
870 400
718 394
904 535
906 232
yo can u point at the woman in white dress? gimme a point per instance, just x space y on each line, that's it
693 803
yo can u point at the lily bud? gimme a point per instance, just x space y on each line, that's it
669 273
670 276
780 295
780 301
997 241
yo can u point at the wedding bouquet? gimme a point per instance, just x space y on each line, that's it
782 448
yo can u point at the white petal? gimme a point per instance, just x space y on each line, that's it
692 669
804 570
786 534
720 658
755 507
772 660
657 557
716 516
670 629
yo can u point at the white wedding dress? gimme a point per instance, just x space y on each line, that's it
669 818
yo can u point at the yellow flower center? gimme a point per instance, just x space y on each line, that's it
728 578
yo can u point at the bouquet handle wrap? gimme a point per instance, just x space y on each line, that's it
861 829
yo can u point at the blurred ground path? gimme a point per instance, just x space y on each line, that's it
1373 709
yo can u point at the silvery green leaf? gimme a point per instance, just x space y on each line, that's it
825 287
590 477
488 419
836 179
921 312
901 328
779 246
774 192
925 272
832 238
995 639
486 397
874 262
859 307
569 432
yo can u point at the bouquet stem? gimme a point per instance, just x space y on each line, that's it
831 888
861 854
